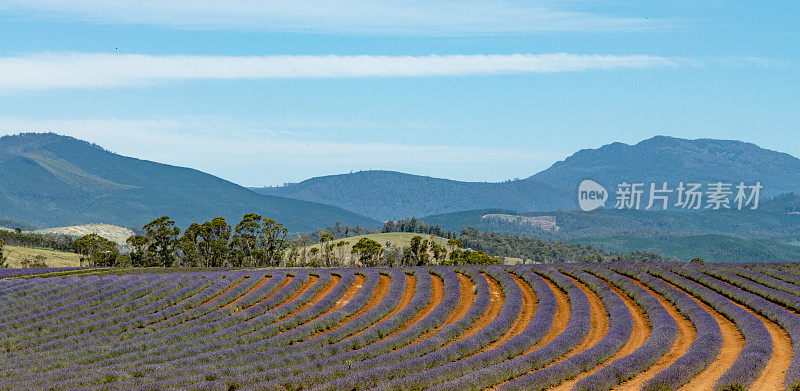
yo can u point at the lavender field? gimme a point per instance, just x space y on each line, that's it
565 326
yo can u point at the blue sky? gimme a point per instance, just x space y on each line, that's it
263 93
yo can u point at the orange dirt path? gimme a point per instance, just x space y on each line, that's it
687 334
380 292
285 282
732 344
319 296
464 304
228 289
774 373
772 376
306 286
560 320
525 315
496 300
437 295
238 299
405 300
598 329
639 334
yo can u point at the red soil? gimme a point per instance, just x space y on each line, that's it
686 336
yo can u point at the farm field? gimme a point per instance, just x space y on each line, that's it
559 326
17 254
395 239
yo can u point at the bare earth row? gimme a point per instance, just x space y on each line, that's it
559 326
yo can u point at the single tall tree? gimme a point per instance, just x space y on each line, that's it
162 235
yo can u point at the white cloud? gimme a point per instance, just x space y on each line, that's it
255 155
96 70
340 16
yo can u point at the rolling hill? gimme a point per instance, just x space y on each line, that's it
770 233
389 195
52 180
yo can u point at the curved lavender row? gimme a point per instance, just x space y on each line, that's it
78 291
664 332
620 326
276 278
754 296
576 330
124 358
239 283
283 365
239 356
780 291
779 274
757 341
124 289
54 350
456 350
37 290
41 325
69 353
118 305
11 289
703 350
288 331
405 344
70 292
367 344
537 328
71 299
14 294
6 273
126 320
388 304
463 356
80 355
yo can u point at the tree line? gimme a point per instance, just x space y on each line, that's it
17 237
255 241
525 248
258 241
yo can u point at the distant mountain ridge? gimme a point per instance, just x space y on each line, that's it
387 195
50 180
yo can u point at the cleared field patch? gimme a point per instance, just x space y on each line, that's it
53 258
114 233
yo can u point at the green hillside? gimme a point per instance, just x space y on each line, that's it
711 248
387 195
53 258
769 233
393 239
51 180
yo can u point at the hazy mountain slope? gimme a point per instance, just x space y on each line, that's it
673 160
51 180
390 195
770 233
772 221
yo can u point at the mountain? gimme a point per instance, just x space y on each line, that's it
51 180
776 219
669 159
387 195
770 233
